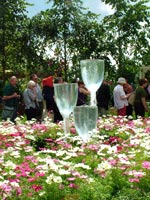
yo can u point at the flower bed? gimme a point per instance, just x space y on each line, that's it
38 162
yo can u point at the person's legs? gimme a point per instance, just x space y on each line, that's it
102 111
122 111
40 111
139 110
30 113
129 110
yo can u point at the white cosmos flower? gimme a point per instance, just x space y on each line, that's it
63 172
30 137
60 153
91 180
52 178
15 154
12 173
49 179
28 149
82 165
112 150
124 161
42 193
4 182
105 165
15 184
57 179
9 164
135 141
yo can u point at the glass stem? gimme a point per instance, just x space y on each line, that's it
66 125
93 99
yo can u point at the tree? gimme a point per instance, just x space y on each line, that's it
127 32
71 33
11 20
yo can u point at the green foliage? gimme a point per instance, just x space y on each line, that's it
127 33
44 140
54 41
11 21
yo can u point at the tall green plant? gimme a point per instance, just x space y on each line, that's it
12 15
127 32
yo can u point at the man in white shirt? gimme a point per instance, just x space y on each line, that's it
120 98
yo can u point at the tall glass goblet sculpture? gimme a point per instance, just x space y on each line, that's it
66 99
85 119
92 72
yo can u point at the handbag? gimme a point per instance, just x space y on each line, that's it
131 99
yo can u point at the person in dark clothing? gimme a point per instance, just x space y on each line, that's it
103 97
11 98
57 116
48 94
140 106
82 94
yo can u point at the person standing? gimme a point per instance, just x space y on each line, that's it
11 98
39 94
30 100
82 94
57 115
120 98
140 106
103 97
128 90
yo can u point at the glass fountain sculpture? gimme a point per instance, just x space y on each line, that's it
85 119
92 72
65 95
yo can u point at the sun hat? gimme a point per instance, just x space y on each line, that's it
121 80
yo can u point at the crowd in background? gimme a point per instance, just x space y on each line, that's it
39 96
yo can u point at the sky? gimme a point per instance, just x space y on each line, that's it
96 6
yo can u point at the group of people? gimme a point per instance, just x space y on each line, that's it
34 95
32 98
122 93
123 96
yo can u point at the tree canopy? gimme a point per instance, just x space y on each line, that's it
55 40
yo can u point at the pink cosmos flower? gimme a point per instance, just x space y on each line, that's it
40 174
49 140
36 187
74 173
19 191
31 179
119 148
39 127
73 131
146 165
113 162
31 158
93 147
134 180
72 185
6 188
147 130
71 178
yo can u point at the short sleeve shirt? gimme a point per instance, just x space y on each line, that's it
117 94
8 91
139 94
